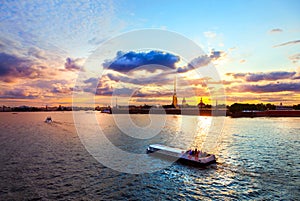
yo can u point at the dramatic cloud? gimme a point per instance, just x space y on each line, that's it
116 79
91 85
125 62
118 84
48 84
277 30
131 92
263 97
274 87
214 55
104 91
92 80
59 88
32 76
37 53
288 43
255 77
155 60
34 66
201 61
152 94
18 94
12 67
157 79
73 64
197 82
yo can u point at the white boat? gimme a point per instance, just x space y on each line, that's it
198 158
48 120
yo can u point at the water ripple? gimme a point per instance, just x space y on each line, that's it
257 160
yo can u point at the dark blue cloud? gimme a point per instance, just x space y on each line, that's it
72 64
59 90
125 62
200 61
216 54
104 91
195 63
255 77
10 64
274 87
91 85
12 67
252 77
17 94
92 80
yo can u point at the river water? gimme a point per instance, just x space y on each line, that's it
257 159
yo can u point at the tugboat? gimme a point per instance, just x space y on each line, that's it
48 120
194 157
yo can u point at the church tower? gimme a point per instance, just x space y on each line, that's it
174 101
201 104
184 103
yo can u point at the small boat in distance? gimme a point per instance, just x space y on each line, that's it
190 156
107 111
48 120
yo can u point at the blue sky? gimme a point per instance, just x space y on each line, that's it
43 41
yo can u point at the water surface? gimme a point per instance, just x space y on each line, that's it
257 160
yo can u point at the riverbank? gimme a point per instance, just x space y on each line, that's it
267 113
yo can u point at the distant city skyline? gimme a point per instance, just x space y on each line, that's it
255 47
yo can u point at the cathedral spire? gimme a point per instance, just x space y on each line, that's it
174 101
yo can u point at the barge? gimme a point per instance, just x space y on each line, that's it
193 157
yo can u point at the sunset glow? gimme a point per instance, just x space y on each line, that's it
254 49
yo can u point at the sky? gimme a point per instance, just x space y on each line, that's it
46 46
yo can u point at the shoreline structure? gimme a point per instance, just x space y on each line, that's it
209 112
194 111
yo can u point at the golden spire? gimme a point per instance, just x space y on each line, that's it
174 101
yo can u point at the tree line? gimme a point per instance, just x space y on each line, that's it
238 107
